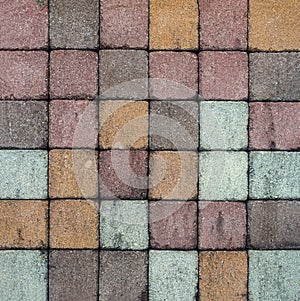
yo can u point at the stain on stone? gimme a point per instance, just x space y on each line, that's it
41 3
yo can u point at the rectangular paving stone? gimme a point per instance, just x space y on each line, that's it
173 275
123 276
23 174
274 175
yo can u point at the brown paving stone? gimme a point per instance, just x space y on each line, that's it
23 224
73 224
223 276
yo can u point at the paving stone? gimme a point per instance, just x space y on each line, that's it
23 275
123 74
23 224
123 124
73 224
173 175
73 74
223 24
117 15
74 24
274 25
223 75
173 75
174 125
123 276
173 225
23 124
274 275
73 275
73 123
124 225
274 175
223 176
223 276
73 173
223 125
23 174
123 174
173 24
23 74
274 76
24 24
222 225
173 275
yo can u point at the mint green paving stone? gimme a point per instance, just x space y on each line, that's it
173 275
23 174
23 276
274 275
274 175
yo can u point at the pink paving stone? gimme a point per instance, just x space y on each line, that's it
223 75
223 24
73 74
222 225
23 74
275 125
23 24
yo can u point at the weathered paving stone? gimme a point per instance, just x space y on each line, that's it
124 225
23 174
23 275
123 276
73 275
274 175
274 275
173 275
223 125
223 276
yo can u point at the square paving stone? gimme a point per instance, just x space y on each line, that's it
222 225
174 125
274 76
24 24
123 124
173 275
23 124
73 275
23 224
274 175
124 225
173 24
223 176
274 25
223 276
223 125
274 275
173 225
74 224
23 174
74 24
223 24
73 74
23 275
223 75
116 15
123 276
23 74
123 74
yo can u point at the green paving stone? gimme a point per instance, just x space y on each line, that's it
23 276
223 125
223 176
173 275
124 225
274 175
23 174
274 275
